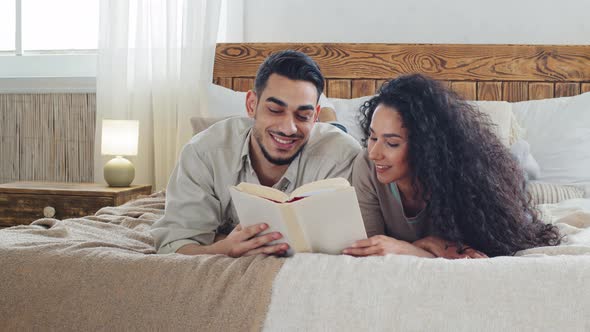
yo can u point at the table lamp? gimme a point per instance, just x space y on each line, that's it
119 138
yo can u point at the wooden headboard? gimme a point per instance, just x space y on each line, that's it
477 72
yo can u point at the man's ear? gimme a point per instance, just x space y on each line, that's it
317 112
251 103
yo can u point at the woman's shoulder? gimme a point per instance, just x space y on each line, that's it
362 170
362 164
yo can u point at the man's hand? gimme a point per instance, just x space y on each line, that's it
245 242
446 249
380 245
241 242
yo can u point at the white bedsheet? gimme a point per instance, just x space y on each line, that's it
545 289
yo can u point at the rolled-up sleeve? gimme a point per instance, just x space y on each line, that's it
192 213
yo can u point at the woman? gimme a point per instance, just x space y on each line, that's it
434 170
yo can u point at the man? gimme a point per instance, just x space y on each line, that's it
279 145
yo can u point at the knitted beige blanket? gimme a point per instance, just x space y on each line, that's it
100 273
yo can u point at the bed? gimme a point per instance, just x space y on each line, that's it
100 272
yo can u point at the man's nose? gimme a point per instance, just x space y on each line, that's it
288 126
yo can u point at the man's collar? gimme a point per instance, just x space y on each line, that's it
245 153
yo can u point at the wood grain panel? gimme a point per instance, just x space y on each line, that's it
22 202
467 90
378 84
445 62
515 91
540 90
23 209
362 88
243 84
224 81
567 89
446 84
585 87
338 88
489 90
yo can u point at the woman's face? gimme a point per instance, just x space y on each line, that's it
388 145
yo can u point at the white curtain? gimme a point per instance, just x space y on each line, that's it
155 58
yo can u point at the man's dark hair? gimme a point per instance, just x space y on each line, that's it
293 65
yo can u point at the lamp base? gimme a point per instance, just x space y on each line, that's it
119 172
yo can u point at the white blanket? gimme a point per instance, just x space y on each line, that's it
546 289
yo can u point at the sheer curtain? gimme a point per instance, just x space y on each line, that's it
155 58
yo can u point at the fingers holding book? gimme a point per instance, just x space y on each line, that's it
246 241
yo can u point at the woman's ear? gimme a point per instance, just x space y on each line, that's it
251 103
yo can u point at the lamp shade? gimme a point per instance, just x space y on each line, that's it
119 137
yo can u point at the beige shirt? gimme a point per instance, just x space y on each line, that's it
381 206
198 203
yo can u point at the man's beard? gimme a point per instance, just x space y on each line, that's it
271 159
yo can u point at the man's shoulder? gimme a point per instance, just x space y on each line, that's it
225 133
328 139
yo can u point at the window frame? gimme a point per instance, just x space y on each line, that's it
44 72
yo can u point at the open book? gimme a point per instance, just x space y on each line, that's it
321 216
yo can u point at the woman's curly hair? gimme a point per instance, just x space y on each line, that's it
475 190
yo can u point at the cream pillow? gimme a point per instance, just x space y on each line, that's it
500 113
551 193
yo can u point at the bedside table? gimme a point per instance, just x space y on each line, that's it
23 202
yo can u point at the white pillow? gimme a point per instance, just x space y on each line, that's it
224 102
347 112
558 131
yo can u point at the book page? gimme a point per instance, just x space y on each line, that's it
280 217
263 191
331 221
320 186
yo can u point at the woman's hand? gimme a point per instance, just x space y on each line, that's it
446 249
380 245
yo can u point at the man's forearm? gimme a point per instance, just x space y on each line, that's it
196 249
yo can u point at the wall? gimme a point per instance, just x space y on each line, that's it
420 21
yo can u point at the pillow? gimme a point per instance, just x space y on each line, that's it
222 101
521 151
558 131
500 113
347 112
551 193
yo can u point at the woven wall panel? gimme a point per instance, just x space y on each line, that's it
47 137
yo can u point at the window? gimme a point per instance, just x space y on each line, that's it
41 26
48 46
59 25
7 25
